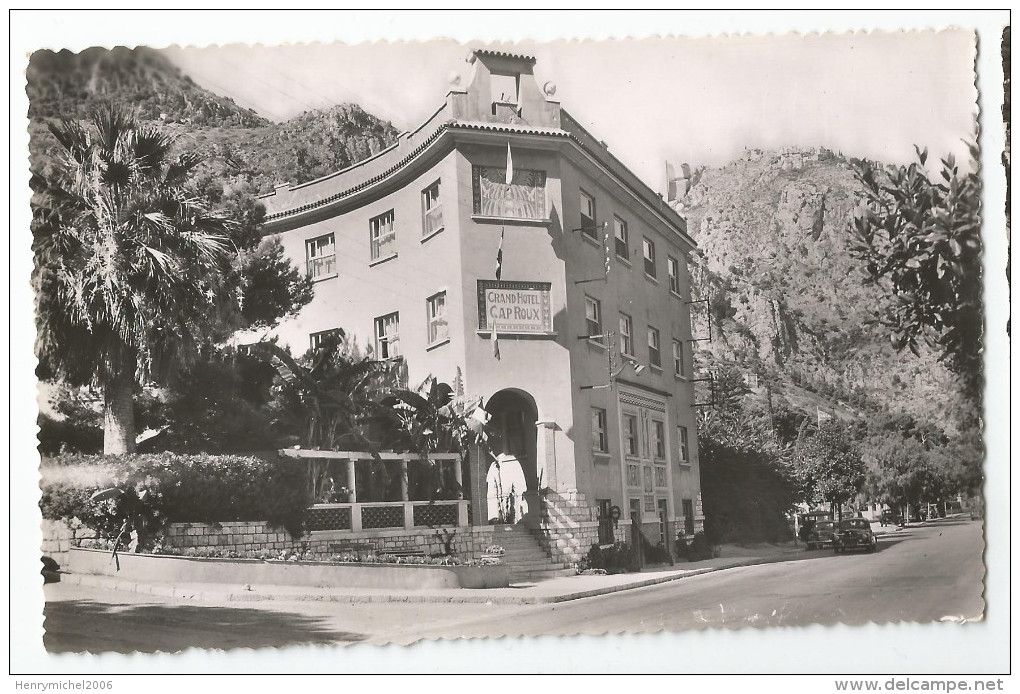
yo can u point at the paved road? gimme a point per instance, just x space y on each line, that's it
918 574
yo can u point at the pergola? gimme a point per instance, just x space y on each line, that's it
355 514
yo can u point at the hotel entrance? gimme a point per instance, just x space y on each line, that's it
512 479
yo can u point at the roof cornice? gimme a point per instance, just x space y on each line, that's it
284 220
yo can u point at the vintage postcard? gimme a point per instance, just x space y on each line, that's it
348 343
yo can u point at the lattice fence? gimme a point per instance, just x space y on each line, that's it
382 517
328 518
435 514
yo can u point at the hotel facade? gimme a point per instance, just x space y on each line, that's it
592 388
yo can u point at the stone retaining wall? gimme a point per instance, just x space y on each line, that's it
243 536
165 569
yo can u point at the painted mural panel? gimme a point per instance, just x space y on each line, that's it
524 198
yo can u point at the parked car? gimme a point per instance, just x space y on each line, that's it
823 534
854 533
807 522
890 517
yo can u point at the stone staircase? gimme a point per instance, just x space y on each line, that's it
525 556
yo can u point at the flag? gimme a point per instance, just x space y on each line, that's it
609 252
495 342
509 164
499 255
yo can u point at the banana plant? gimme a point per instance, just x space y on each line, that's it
337 391
433 418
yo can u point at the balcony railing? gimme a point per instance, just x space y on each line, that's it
433 221
384 246
322 266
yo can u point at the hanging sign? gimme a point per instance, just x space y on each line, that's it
514 307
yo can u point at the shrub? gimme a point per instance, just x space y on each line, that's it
699 548
613 559
169 488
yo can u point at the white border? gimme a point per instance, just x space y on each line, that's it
982 647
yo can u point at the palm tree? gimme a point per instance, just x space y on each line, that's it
128 262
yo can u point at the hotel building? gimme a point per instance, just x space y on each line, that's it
592 388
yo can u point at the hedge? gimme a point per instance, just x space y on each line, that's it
162 488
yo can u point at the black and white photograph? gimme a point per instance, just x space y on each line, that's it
658 341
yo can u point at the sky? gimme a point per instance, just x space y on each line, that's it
694 100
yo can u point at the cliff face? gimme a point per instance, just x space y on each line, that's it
788 301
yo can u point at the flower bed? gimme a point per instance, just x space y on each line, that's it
340 571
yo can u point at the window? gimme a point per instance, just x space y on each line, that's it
588 220
654 354
383 236
387 336
626 335
649 250
678 358
622 240
599 437
593 319
431 210
524 198
673 267
630 434
682 439
320 256
649 482
659 440
649 504
315 340
439 329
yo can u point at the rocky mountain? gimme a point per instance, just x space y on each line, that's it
238 144
789 305
69 85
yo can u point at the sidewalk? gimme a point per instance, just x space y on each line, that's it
552 590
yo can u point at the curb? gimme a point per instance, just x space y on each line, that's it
213 595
